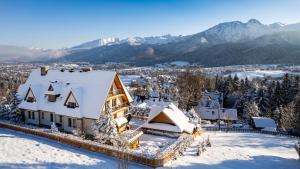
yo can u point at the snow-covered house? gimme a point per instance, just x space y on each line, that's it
210 107
168 119
73 99
264 123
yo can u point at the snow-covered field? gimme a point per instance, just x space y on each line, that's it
229 151
241 151
261 74
22 151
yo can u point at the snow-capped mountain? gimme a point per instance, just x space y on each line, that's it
152 39
238 31
227 43
130 40
97 43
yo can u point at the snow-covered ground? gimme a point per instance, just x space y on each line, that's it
229 151
22 151
241 151
152 144
261 74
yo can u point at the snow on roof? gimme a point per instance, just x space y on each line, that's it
180 120
264 122
208 113
120 121
90 90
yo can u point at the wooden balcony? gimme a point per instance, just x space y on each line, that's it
120 107
114 94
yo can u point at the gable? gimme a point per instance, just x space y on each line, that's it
71 99
50 88
29 94
162 118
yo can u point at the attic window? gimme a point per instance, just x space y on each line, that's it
71 105
30 96
71 101
30 99
50 88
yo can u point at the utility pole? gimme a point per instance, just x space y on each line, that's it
219 107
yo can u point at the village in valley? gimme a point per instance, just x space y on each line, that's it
169 115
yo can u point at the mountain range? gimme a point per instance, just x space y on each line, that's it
227 43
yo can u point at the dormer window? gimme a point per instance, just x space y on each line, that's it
30 99
71 101
50 88
30 96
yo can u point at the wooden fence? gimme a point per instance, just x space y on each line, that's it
249 131
92 147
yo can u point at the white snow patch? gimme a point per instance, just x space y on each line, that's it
241 150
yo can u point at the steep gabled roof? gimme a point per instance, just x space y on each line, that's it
179 119
89 88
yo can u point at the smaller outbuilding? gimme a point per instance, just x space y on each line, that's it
264 123
169 119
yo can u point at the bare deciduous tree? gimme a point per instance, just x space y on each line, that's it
190 89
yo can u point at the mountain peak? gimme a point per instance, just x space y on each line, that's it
254 21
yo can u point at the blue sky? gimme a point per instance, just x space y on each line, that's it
65 23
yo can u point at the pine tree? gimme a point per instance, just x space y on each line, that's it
251 110
235 83
105 130
286 86
262 101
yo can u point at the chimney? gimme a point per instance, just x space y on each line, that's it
44 70
86 69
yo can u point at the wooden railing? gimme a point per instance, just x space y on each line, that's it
115 92
119 106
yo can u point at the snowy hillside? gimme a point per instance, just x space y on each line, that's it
130 40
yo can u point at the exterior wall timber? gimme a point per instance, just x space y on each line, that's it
87 125
46 120
31 120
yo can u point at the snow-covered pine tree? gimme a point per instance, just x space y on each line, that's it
9 109
54 128
251 110
105 130
288 118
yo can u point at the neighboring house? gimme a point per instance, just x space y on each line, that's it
215 114
211 99
168 119
73 99
264 123
210 107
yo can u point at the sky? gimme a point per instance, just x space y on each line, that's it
55 24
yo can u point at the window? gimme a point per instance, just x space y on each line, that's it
29 114
30 99
51 117
33 116
114 102
71 105
74 123
43 116
69 122
60 118
50 88
213 112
